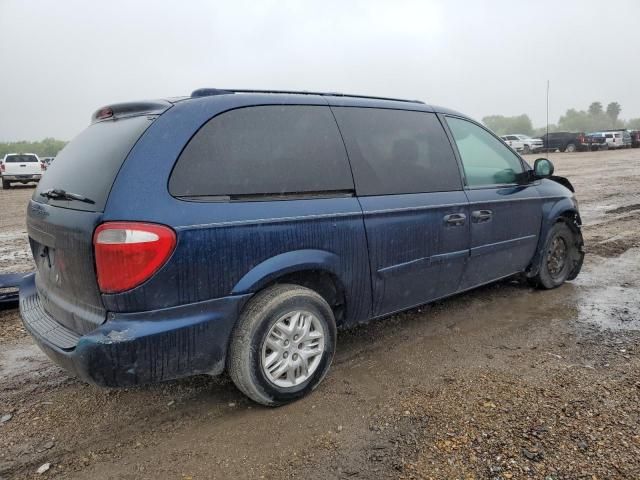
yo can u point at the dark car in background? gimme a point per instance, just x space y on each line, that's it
597 141
635 138
268 220
564 141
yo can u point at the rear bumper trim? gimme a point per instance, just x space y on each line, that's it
39 322
138 348
20 178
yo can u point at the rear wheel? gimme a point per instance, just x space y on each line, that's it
559 259
6 184
283 344
570 148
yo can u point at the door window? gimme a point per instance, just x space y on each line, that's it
397 151
485 159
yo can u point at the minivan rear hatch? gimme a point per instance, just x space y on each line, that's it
65 210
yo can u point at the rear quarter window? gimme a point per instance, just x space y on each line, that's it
269 150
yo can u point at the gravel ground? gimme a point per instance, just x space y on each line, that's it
504 382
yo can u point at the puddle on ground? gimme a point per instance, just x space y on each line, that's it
609 292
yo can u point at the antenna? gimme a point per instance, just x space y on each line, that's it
547 116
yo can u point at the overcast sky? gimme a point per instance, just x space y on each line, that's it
62 59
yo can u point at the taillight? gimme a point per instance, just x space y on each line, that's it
1 167
129 253
43 167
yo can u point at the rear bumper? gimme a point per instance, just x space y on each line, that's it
137 348
22 178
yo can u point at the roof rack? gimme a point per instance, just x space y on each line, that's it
205 92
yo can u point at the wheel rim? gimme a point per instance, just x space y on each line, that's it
557 257
293 348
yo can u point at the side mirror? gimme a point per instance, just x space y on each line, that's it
542 168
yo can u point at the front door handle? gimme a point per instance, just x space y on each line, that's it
480 216
455 219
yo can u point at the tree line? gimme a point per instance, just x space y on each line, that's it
49 147
595 118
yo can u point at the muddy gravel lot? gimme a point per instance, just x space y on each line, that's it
505 382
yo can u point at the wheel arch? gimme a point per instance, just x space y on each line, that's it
318 270
562 211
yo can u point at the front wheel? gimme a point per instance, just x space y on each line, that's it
283 344
6 184
526 149
561 258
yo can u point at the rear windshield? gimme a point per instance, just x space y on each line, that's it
88 165
21 158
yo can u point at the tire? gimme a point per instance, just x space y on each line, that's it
570 148
249 349
526 150
6 185
552 274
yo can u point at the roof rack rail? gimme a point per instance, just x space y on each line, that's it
203 92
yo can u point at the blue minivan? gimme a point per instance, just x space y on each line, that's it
239 230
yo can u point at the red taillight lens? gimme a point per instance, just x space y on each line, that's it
129 253
43 166
1 167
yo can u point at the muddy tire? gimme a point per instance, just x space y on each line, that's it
560 257
283 345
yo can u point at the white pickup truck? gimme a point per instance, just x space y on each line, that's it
20 168
523 143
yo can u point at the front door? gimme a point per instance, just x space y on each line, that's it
505 213
416 214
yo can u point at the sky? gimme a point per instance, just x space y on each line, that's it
63 59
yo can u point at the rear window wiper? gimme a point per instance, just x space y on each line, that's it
59 194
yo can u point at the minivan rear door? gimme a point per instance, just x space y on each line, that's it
415 212
61 229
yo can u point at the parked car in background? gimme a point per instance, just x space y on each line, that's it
523 143
237 255
596 141
621 138
47 160
615 138
20 168
564 141
635 138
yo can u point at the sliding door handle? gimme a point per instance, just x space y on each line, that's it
480 216
455 219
